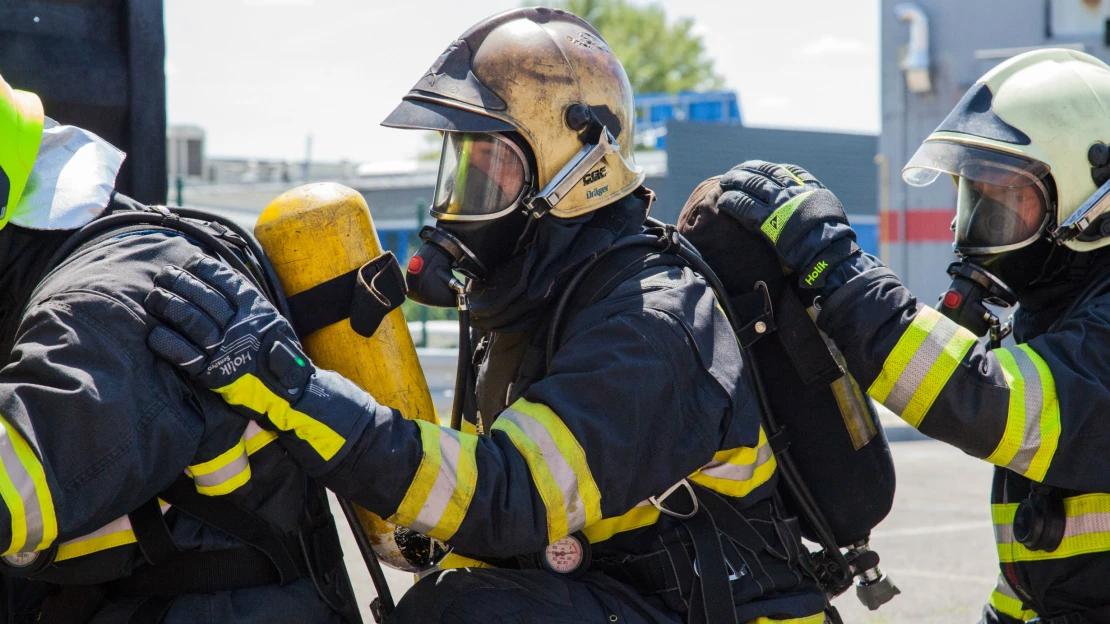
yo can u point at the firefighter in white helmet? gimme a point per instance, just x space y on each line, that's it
1027 148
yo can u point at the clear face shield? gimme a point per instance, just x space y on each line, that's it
1002 199
482 176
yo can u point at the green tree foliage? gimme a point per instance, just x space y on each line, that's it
658 57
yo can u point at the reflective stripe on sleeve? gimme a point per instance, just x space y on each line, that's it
116 533
919 366
1006 602
738 471
558 466
1033 418
250 392
223 474
1087 530
439 495
257 438
25 493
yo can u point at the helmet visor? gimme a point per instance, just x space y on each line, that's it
481 176
993 219
1002 201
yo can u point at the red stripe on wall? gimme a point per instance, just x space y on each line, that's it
923 225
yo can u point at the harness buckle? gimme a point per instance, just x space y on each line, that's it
733 575
657 501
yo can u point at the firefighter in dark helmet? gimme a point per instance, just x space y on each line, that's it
1027 150
627 481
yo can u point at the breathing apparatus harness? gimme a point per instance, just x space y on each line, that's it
270 557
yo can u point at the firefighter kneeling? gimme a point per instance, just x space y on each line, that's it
622 475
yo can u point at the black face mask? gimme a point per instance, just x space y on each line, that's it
472 248
999 279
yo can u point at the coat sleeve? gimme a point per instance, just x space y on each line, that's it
626 411
88 430
1022 408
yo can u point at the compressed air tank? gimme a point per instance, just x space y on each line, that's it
313 234
830 425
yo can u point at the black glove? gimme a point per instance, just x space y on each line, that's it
224 333
802 219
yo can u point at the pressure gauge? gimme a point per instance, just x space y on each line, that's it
568 556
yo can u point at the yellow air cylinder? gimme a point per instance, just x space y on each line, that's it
315 233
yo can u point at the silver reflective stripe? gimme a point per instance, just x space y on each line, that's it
1034 402
1004 588
218 477
556 463
25 485
1083 524
738 472
1004 533
444 487
920 365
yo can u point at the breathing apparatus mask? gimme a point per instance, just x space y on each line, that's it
483 181
1004 212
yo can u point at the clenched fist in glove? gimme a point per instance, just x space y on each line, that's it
223 332
802 219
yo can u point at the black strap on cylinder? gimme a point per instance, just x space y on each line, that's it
365 295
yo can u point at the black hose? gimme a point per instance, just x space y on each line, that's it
462 370
385 598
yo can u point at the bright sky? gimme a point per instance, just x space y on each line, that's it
261 75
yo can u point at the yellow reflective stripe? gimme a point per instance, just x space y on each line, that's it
1005 601
440 494
900 356
545 482
224 473
920 365
642 515
96 544
250 392
1049 418
1087 530
564 459
257 438
116 533
1010 443
453 561
817 618
25 493
736 472
425 478
1032 430
466 481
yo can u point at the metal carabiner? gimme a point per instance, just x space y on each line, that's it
657 501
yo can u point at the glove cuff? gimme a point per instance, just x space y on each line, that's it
813 275
321 427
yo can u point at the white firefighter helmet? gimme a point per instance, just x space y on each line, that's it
1021 146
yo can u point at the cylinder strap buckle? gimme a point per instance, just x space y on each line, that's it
657 501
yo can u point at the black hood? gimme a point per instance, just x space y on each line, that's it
24 254
518 292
